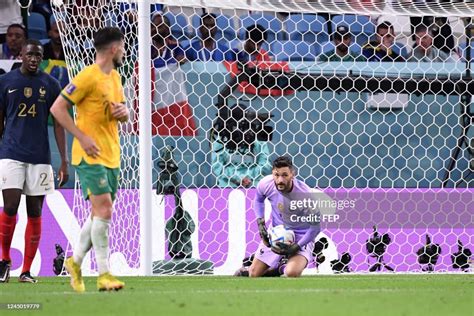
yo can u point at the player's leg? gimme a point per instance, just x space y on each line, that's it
264 259
88 177
12 177
84 244
11 201
295 266
102 206
34 205
39 181
73 263
102 212
297 263
257 268
102 186
247 262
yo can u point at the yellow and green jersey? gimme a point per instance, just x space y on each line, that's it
93 92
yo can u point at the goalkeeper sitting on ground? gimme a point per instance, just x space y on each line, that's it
277 270
282 190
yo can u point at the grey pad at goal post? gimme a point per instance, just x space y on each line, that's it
183 266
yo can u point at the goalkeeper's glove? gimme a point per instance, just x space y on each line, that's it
283 249
262 229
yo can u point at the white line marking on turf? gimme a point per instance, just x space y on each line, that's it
250 291
311 278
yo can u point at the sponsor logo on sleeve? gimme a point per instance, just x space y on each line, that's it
70 88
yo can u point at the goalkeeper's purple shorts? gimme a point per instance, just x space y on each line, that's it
271 259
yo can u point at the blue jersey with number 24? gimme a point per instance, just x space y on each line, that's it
25 101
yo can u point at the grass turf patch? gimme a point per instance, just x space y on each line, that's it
417 294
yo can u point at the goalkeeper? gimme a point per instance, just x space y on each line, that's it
281 188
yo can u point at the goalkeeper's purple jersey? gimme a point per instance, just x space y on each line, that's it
281 213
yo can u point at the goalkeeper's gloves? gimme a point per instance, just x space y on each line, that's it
283 249
262 229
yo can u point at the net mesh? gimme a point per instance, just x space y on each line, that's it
370 105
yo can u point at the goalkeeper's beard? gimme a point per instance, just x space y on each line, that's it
283 187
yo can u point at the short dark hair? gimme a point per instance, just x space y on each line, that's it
384 25
106 36
208 15
422 28
257 33
282 162
18 26
341 31
32 42
164 19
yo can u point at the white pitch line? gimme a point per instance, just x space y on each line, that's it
312 278
251 291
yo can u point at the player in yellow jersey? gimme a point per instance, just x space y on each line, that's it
98 96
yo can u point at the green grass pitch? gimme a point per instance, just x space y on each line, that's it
381 295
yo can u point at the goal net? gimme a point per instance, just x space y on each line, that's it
371 100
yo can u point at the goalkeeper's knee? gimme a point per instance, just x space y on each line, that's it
292 272
254 272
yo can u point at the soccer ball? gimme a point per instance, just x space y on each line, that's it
281 234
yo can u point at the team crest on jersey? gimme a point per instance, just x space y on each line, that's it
280 207
28 92
42 92
70 88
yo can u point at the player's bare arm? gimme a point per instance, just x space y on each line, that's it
60 112
60 136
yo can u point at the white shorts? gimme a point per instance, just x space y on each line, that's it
32 179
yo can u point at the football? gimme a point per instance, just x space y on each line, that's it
281 234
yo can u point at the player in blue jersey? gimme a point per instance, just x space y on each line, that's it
26 96
281 188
